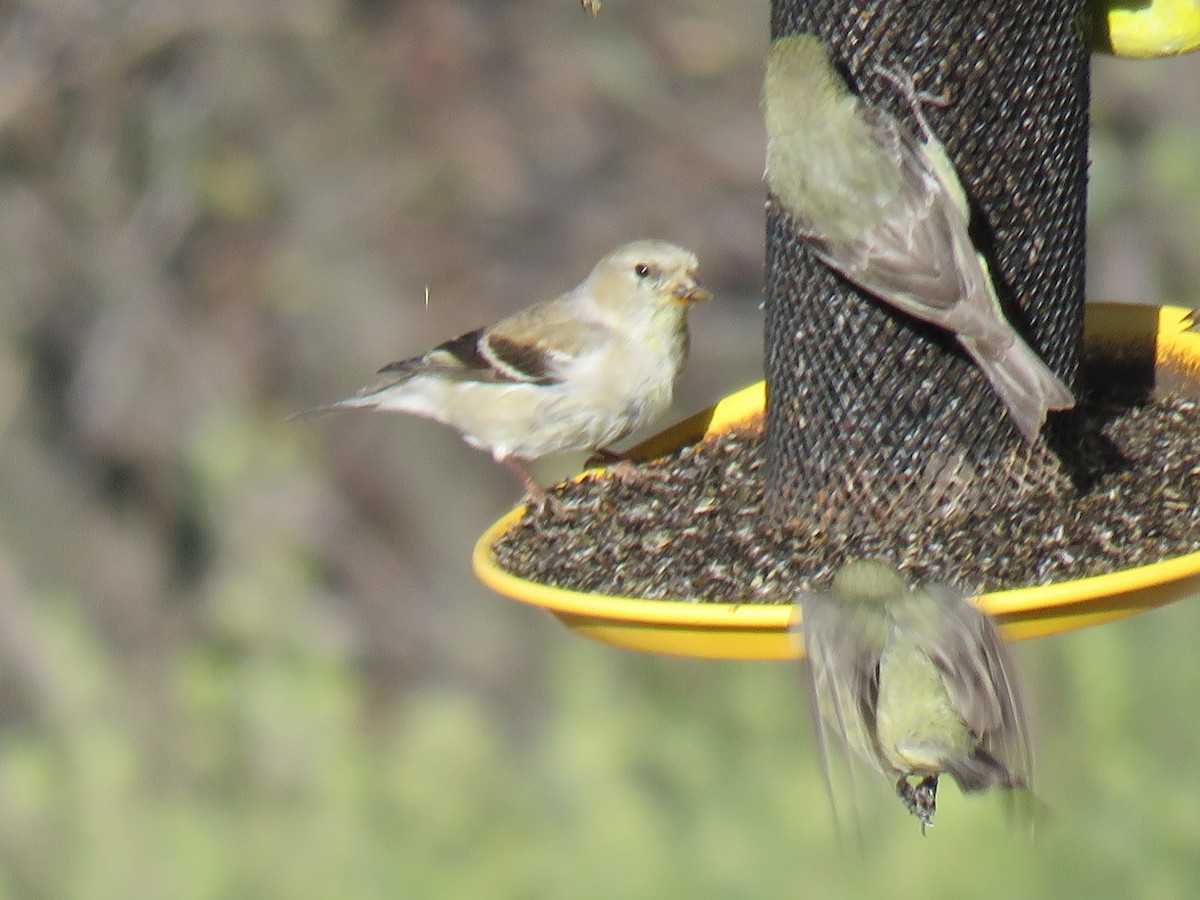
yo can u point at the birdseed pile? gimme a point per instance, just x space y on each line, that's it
691 525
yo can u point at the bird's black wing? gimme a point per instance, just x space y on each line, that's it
481 356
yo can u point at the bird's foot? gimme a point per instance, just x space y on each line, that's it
907 88
537 501
602 456
617 465
919 799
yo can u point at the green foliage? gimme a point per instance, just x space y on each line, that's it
269 775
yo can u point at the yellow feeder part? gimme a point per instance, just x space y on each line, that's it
1146 29
761 631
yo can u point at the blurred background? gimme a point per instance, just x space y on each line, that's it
242 656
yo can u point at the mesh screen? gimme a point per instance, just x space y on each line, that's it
872 411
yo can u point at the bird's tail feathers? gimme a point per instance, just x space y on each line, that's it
981 770
348 403
1026 810
386 393
368 398
1026 386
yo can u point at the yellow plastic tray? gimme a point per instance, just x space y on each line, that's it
756 631
1147 29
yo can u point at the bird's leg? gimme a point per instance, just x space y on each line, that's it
920 799
537 495
618 465
904 85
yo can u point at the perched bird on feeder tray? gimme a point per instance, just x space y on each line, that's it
917 683
888 213
578 372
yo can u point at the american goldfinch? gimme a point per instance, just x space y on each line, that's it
887 212
578 372
1192 320
916 682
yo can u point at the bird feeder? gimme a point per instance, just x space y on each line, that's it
685 627
1014 78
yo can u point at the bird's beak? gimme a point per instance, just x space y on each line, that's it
685 290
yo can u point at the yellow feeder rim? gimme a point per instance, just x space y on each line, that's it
1147 29
762 631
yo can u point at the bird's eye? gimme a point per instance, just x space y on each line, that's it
642 270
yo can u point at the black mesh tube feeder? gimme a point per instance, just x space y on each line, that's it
873 420
870 411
